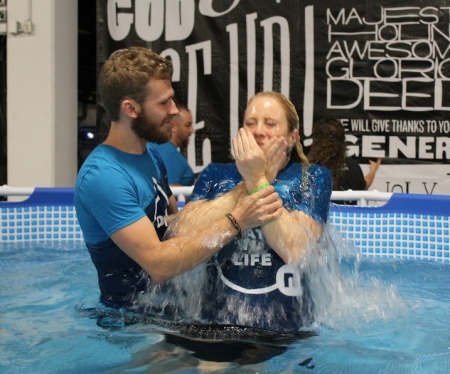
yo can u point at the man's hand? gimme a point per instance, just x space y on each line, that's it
257 209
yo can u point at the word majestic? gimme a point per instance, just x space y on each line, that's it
391 15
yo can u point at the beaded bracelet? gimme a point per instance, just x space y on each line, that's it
257 189
235 224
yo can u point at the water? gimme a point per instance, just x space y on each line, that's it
389 317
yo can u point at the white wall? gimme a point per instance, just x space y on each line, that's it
42 94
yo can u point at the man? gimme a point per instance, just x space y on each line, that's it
122 197
178 169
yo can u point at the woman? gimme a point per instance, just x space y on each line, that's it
255 279
329 149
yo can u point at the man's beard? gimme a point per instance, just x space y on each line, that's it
150 131
184 144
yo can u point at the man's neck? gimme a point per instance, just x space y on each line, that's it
122 137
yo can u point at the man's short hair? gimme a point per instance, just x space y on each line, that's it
126 74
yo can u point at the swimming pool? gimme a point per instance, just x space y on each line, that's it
392 316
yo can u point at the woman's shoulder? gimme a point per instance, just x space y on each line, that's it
313 175
319 170
310 169
322 175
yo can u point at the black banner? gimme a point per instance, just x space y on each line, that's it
382 67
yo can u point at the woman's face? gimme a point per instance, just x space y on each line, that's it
265 118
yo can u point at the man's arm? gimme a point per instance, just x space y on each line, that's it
196 215
165 260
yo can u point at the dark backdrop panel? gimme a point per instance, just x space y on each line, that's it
382 67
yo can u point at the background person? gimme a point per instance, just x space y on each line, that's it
122 196
329 149
254 280
178 169
373 168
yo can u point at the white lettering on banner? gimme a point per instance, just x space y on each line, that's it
149 21
399 138
443 148
411 147
371 146
397 95
234 74
379 63
405 147
176 63
386 54
206 8
251 54
151 18
308 98
180 19
409 70
404 187
430 179
285 62
119 24
268 26
194 76
389 16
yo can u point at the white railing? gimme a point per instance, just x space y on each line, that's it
363 197
15 191
182 192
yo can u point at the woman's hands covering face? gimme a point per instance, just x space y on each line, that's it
275 153
256 164
250 159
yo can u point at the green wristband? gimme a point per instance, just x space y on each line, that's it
257 189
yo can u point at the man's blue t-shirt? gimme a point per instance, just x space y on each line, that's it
113 190
247 275
178 169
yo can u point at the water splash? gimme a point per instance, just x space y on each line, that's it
340 299
329 277
344 300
